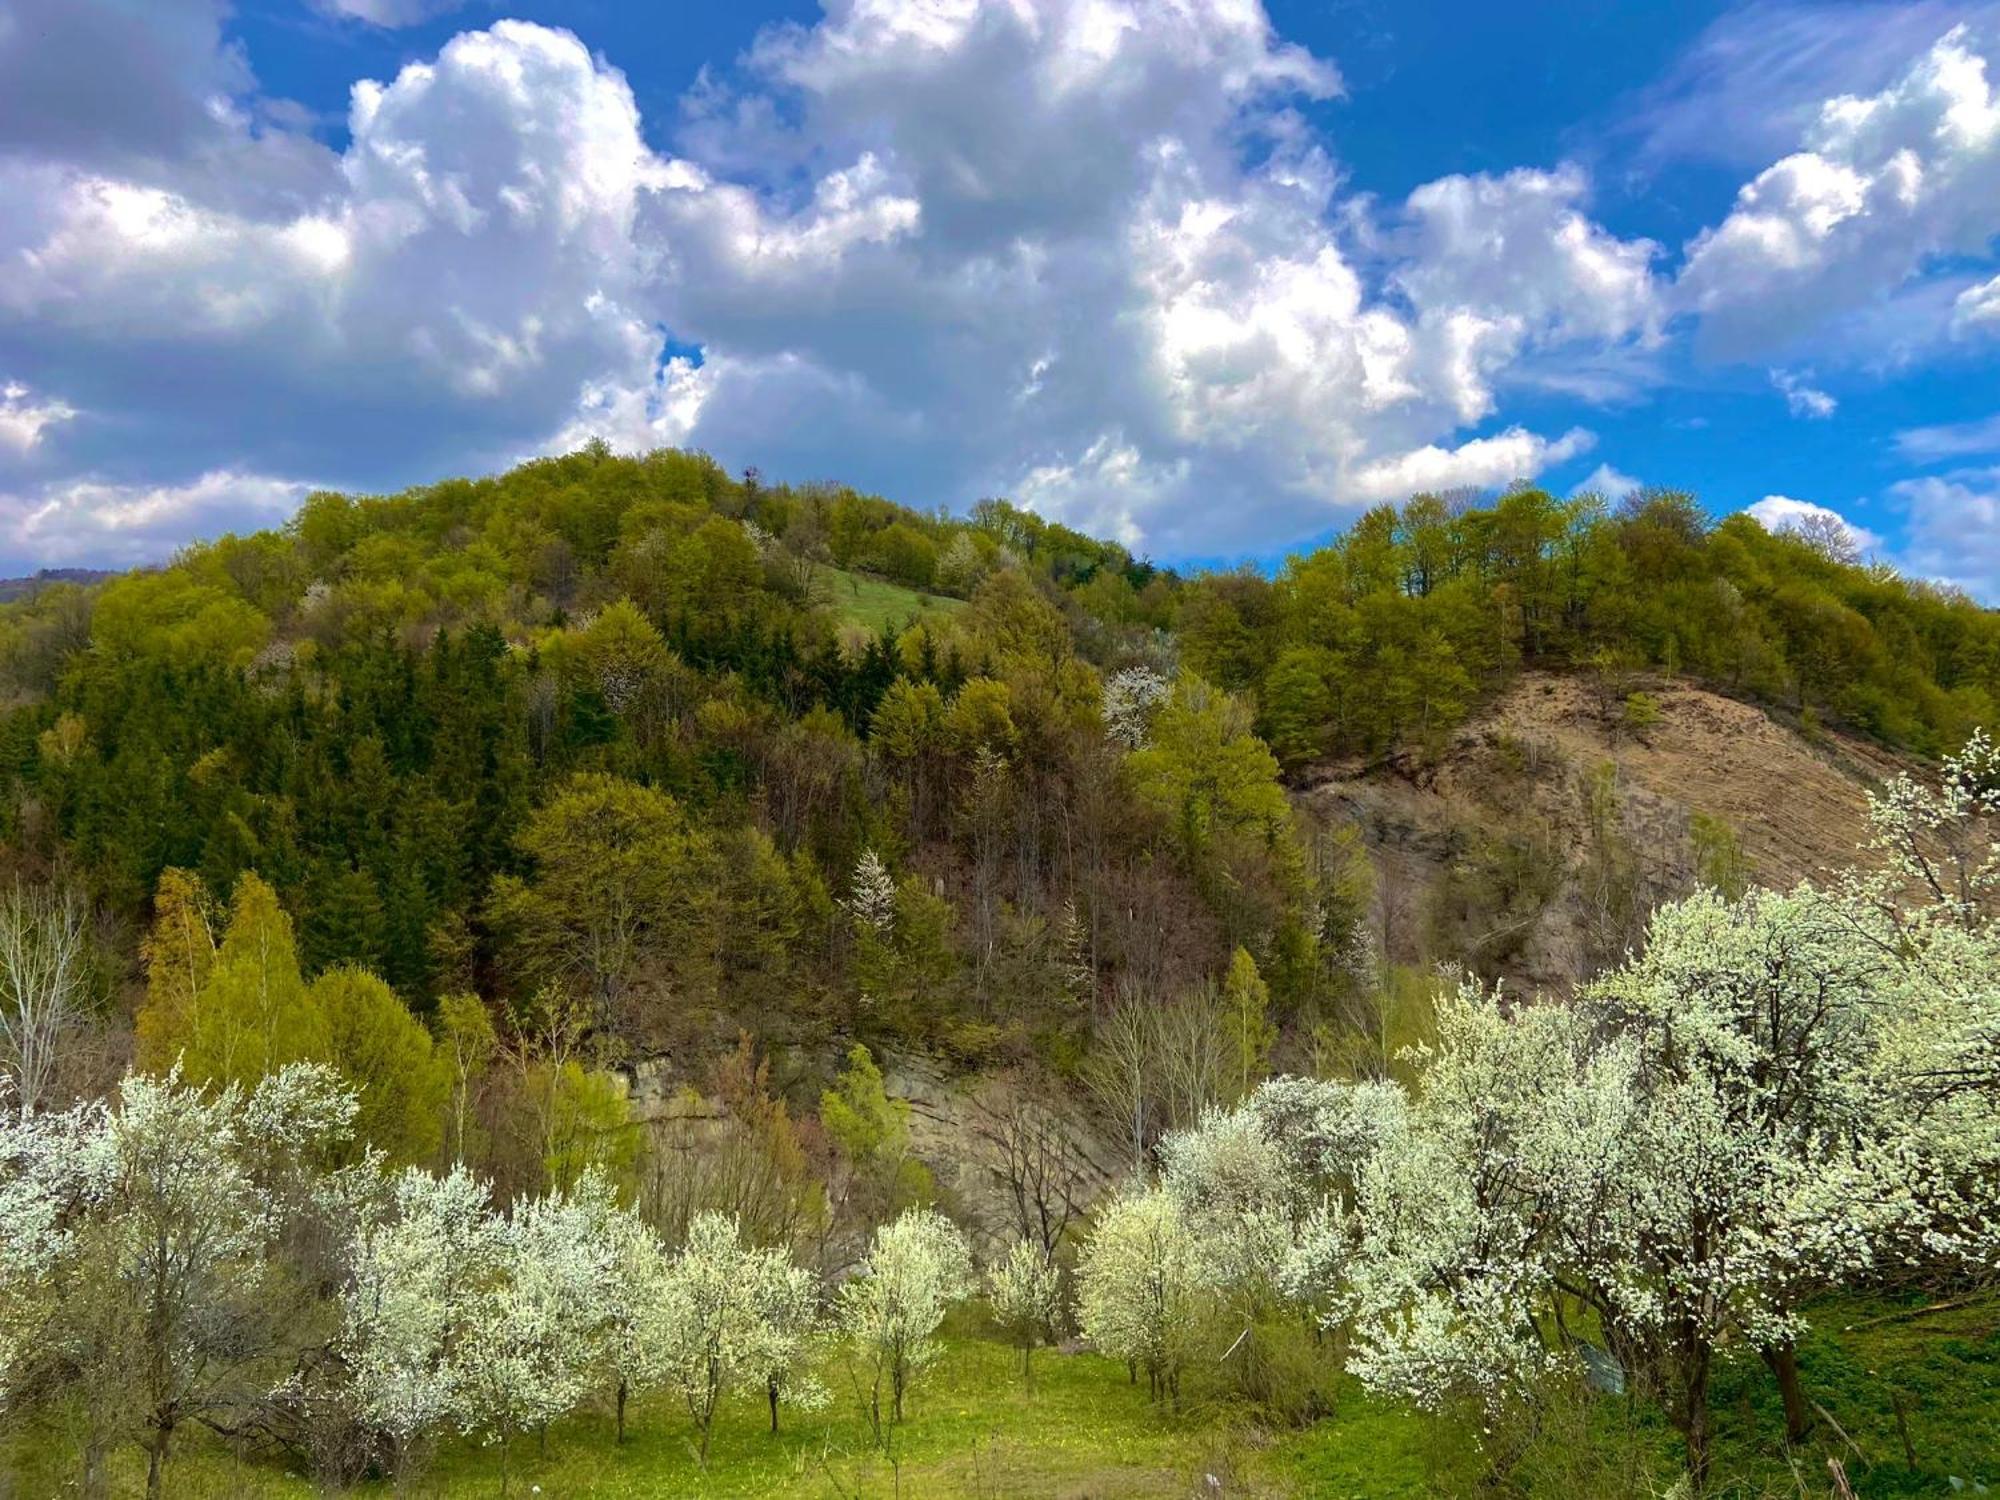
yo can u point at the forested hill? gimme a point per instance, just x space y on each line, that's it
446 727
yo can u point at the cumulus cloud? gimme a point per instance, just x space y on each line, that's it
152 94
1883 185
1520 249
1802 400
24 419
1076 249
1085 252
1782 513
1952 525
1756 77
474 269
1608 482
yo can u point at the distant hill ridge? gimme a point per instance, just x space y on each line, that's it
17 588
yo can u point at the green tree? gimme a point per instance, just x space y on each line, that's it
1298 704
344 921
251 1014
1246 1007
1205 772
621 886
383 1052
872 1133
467 1043
178 953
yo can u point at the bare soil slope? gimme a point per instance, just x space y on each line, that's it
1536 843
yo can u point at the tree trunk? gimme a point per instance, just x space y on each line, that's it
898 1393
623 1391
1784 1363
156 1460
1694 1425
771 1390
503 1463
94 1485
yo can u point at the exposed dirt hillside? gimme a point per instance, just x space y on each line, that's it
1537 842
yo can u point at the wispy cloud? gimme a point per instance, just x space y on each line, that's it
1927 445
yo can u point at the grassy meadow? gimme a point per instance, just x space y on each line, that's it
876 603
1910 1407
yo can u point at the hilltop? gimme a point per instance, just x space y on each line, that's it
626 852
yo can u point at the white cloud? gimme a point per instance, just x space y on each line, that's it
1802 400
1608 482
154 95
389 13
22 421
475 269
1952 529
1977 309
1087 252
1926 445
1519 248
1483 463
1045 269
87 521
1782 513
1757 76
1884 184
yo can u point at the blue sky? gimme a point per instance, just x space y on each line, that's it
1206 275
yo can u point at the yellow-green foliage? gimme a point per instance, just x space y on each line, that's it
250 1014
1246 1012
619 882
872 1133
378 1046
1205 772
235 1012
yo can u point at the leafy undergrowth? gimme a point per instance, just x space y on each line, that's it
1867 1358
878 603
1085 1433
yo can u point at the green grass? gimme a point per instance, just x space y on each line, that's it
878 603
973 1429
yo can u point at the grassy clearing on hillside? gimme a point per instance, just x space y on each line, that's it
876 602
975 1432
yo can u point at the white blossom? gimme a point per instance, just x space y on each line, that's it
409 1303
873 901
732 1315
1140 1286
1025 1292
1130 699
534 1331
916 1269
